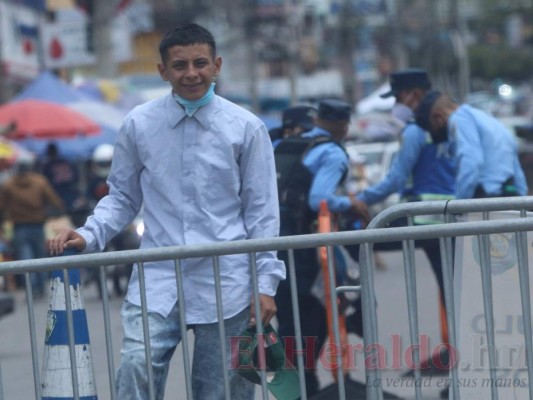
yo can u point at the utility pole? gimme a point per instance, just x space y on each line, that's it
104 10
293 22
346 40
431 44
251 54
395 8
461 51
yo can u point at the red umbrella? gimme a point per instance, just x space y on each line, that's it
45 120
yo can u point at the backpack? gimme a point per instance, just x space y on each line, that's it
294 182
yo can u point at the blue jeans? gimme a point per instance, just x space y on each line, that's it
29 243
165 335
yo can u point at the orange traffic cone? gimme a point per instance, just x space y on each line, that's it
326 225
57 379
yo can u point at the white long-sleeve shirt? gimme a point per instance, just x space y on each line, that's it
202 179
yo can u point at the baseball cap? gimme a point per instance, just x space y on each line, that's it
407 79
302 116
285 384
334 110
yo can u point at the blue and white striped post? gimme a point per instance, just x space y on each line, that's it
67 344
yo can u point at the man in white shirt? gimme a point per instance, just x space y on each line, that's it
204 170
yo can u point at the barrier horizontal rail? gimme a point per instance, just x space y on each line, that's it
450 207
259 245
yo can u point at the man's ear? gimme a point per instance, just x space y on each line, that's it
162 71
218 65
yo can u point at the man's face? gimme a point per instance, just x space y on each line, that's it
340 130
410 97
190 70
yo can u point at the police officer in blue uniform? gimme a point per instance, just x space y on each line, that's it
484 149
421 170
294 121
326 162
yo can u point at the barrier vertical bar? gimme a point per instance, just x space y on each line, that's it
221 325
297 325
1 384
523 273
486 280
71 340
33 337
335 317
146 331
374 388
107 330
259 327
183 328
446 252
412 306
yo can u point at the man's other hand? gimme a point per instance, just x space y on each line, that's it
268 309
68 239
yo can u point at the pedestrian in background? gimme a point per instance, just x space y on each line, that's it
24 201
204 169
484 149
64 177
317 172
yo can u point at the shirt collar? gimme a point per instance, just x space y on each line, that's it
176 113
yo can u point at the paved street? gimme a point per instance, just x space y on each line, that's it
15 358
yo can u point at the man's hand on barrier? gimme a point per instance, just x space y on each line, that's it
268 309
67 239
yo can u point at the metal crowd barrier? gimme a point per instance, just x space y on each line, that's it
445 232
366 238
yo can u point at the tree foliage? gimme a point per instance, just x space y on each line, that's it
491 62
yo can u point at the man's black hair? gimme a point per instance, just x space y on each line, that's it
423 113
186 35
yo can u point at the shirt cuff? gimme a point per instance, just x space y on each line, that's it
344 204
268 284
91 245
361 196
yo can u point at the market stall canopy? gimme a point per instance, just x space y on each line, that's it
45 120
49 87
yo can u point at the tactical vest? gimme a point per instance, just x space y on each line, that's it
294 182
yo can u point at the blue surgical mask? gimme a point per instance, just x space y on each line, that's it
402 112
192 105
